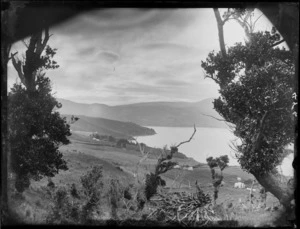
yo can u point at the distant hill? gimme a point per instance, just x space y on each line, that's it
109 127
169 114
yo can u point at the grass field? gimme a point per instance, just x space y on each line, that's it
35 203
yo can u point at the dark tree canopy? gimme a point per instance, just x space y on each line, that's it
36 129
256 86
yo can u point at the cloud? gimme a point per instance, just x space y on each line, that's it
89 50
134 55
173 83
107 56
106 20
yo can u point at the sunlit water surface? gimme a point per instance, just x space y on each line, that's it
206 142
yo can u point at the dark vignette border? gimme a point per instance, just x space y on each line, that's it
21 18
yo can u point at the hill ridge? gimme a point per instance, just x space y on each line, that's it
168 114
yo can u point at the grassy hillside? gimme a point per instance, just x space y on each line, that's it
109 127
34 205
120 163
172 114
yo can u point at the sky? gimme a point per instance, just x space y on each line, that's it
122 56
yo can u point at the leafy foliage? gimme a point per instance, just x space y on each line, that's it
222 163
35 132
64 210
256 86
75 206
164 164
92 185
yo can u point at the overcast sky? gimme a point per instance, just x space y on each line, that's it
122 56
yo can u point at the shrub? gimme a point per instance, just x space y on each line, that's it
70 208
61 211
115 196
21 183
122 143
50 183
38 203
74 191
111 139
92 185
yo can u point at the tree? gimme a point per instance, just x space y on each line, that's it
222 163
36 130
256 86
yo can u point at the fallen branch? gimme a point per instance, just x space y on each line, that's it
188 209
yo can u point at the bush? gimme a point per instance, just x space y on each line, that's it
122 143
74 191
70 208
21 183
61 212
92 185
111 139
50 183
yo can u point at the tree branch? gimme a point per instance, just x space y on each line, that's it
12 55
257 20
18 66
277 43
26 45
142 150
144 157
222 120
220 31
189 139
257 141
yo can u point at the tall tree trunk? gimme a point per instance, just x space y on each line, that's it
5 49
273 183
220 31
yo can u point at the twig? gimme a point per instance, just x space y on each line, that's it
256 20
189 139
277 43
12 55
223 120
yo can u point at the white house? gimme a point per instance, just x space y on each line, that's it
176 167
239 185
190 168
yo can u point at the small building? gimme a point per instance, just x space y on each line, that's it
239 185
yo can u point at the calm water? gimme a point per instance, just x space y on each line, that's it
206 142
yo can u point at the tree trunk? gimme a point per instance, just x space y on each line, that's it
220 31
5 49
272 182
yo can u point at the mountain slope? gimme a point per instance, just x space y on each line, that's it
170 114
109 127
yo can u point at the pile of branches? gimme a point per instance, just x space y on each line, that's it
187 209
